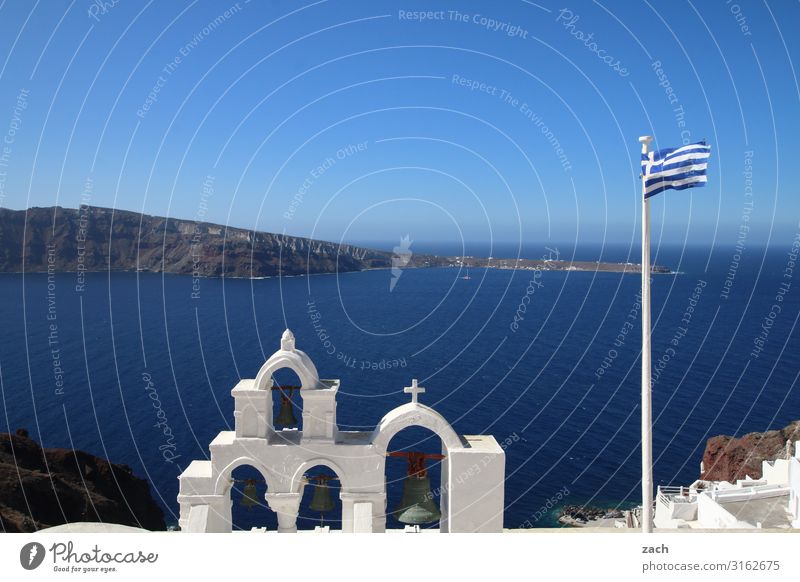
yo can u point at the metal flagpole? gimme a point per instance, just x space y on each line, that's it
647 415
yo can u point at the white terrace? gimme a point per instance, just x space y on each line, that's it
770 502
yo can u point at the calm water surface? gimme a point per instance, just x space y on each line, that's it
560 388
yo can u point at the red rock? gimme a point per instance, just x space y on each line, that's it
728 458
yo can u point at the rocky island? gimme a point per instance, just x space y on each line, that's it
587 515
93 239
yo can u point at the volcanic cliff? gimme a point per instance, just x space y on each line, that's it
102 239
41 488
94 239
728 458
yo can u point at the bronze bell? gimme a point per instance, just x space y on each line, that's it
286 416
417 506
322 500
250 497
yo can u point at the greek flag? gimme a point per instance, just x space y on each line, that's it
676 168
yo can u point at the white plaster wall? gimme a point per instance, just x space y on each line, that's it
684 511
359 467
775 473
711 515
473 492
794 491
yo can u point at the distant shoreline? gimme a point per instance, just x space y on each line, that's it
101 240
523 265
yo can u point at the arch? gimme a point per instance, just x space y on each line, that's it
318 462
296 361
413 415
223 478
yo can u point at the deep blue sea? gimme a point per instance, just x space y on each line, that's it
560 388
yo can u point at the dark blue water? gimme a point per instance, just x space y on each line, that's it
569 432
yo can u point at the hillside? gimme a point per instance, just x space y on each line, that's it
96 239
41 488
99 239
728 458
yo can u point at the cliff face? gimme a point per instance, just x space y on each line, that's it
99 239
41 488
728 459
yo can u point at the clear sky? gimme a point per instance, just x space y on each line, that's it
361 121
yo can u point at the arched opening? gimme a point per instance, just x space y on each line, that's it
403 488
320 504
287 404
249 508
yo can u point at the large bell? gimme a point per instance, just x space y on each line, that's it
250 496
322 500
417 506
286 416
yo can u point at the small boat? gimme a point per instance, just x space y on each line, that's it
467 275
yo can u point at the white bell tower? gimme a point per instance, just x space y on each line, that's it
472 476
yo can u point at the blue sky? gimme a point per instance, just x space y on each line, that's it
359 121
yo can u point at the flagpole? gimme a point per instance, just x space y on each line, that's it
647 414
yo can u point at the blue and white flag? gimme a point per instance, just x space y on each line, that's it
675 168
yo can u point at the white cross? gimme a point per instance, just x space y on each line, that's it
415 390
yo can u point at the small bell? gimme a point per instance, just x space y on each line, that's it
250 496
286 416
322 500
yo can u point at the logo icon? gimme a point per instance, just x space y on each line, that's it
31 555
400 258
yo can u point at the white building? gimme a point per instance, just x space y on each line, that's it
473 469
794 486
773 501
